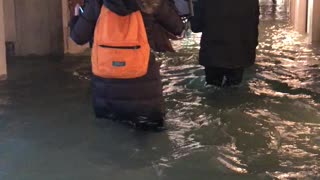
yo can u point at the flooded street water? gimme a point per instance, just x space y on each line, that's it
268 128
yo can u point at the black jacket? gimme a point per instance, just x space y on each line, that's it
140 96
230 32
82 28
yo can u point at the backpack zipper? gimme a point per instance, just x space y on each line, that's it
121 47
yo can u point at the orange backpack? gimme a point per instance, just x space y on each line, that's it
120 49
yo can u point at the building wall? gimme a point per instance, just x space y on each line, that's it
3 68
315 29
305 17
300 13
35 26
10 20
292 8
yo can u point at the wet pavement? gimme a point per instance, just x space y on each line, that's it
268 128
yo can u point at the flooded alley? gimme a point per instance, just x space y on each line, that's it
268 128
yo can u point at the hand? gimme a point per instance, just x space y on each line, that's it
77 10
72 5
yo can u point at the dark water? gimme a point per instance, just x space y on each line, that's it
268 128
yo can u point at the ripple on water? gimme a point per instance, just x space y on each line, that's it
268 127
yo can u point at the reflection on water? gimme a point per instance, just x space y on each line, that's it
268 128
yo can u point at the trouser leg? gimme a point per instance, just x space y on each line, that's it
214 76
234 76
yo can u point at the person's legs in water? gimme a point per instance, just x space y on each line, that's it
215 76
133 112
152 121
122 99
233 77
98 102
143 121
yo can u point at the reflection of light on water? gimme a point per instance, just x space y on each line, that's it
283 74
188 43
297 145
294 175
232 167
229 157
261 88
278 106
185 145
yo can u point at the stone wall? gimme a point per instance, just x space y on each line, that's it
35 26
3 68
